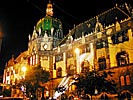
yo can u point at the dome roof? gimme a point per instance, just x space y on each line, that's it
46 23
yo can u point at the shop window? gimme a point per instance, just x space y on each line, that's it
102 63
122 58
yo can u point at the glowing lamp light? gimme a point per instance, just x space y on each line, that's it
23 68
77 50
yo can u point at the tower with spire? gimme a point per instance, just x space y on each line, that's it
47 33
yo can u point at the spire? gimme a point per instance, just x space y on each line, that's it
99 26
49 9
34 35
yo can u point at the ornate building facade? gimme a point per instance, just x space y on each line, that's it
102 43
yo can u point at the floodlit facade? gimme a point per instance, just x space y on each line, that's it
103 43
13 73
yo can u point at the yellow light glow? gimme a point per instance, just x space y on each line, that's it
23 69
77 50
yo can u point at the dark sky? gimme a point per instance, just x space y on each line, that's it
18 18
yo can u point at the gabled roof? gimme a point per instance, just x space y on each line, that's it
106 18
13 60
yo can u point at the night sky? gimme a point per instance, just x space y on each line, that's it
18 18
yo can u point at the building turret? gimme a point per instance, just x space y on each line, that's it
49 9
47 33
51 26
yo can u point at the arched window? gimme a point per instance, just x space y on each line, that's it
128 80
122 58
102 63
122 81
125 80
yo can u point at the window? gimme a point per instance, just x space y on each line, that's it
37 59
59 72
128 80
33 60
114 39
59 57
101 44
125 80
120 37
122 81
102 63
122 58
84 48
30 61
88 48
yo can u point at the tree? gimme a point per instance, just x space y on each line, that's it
7 92
90 81
34 78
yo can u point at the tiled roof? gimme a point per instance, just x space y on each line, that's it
106 18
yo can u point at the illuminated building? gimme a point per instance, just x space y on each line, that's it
104 43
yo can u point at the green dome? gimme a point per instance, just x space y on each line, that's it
46 23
